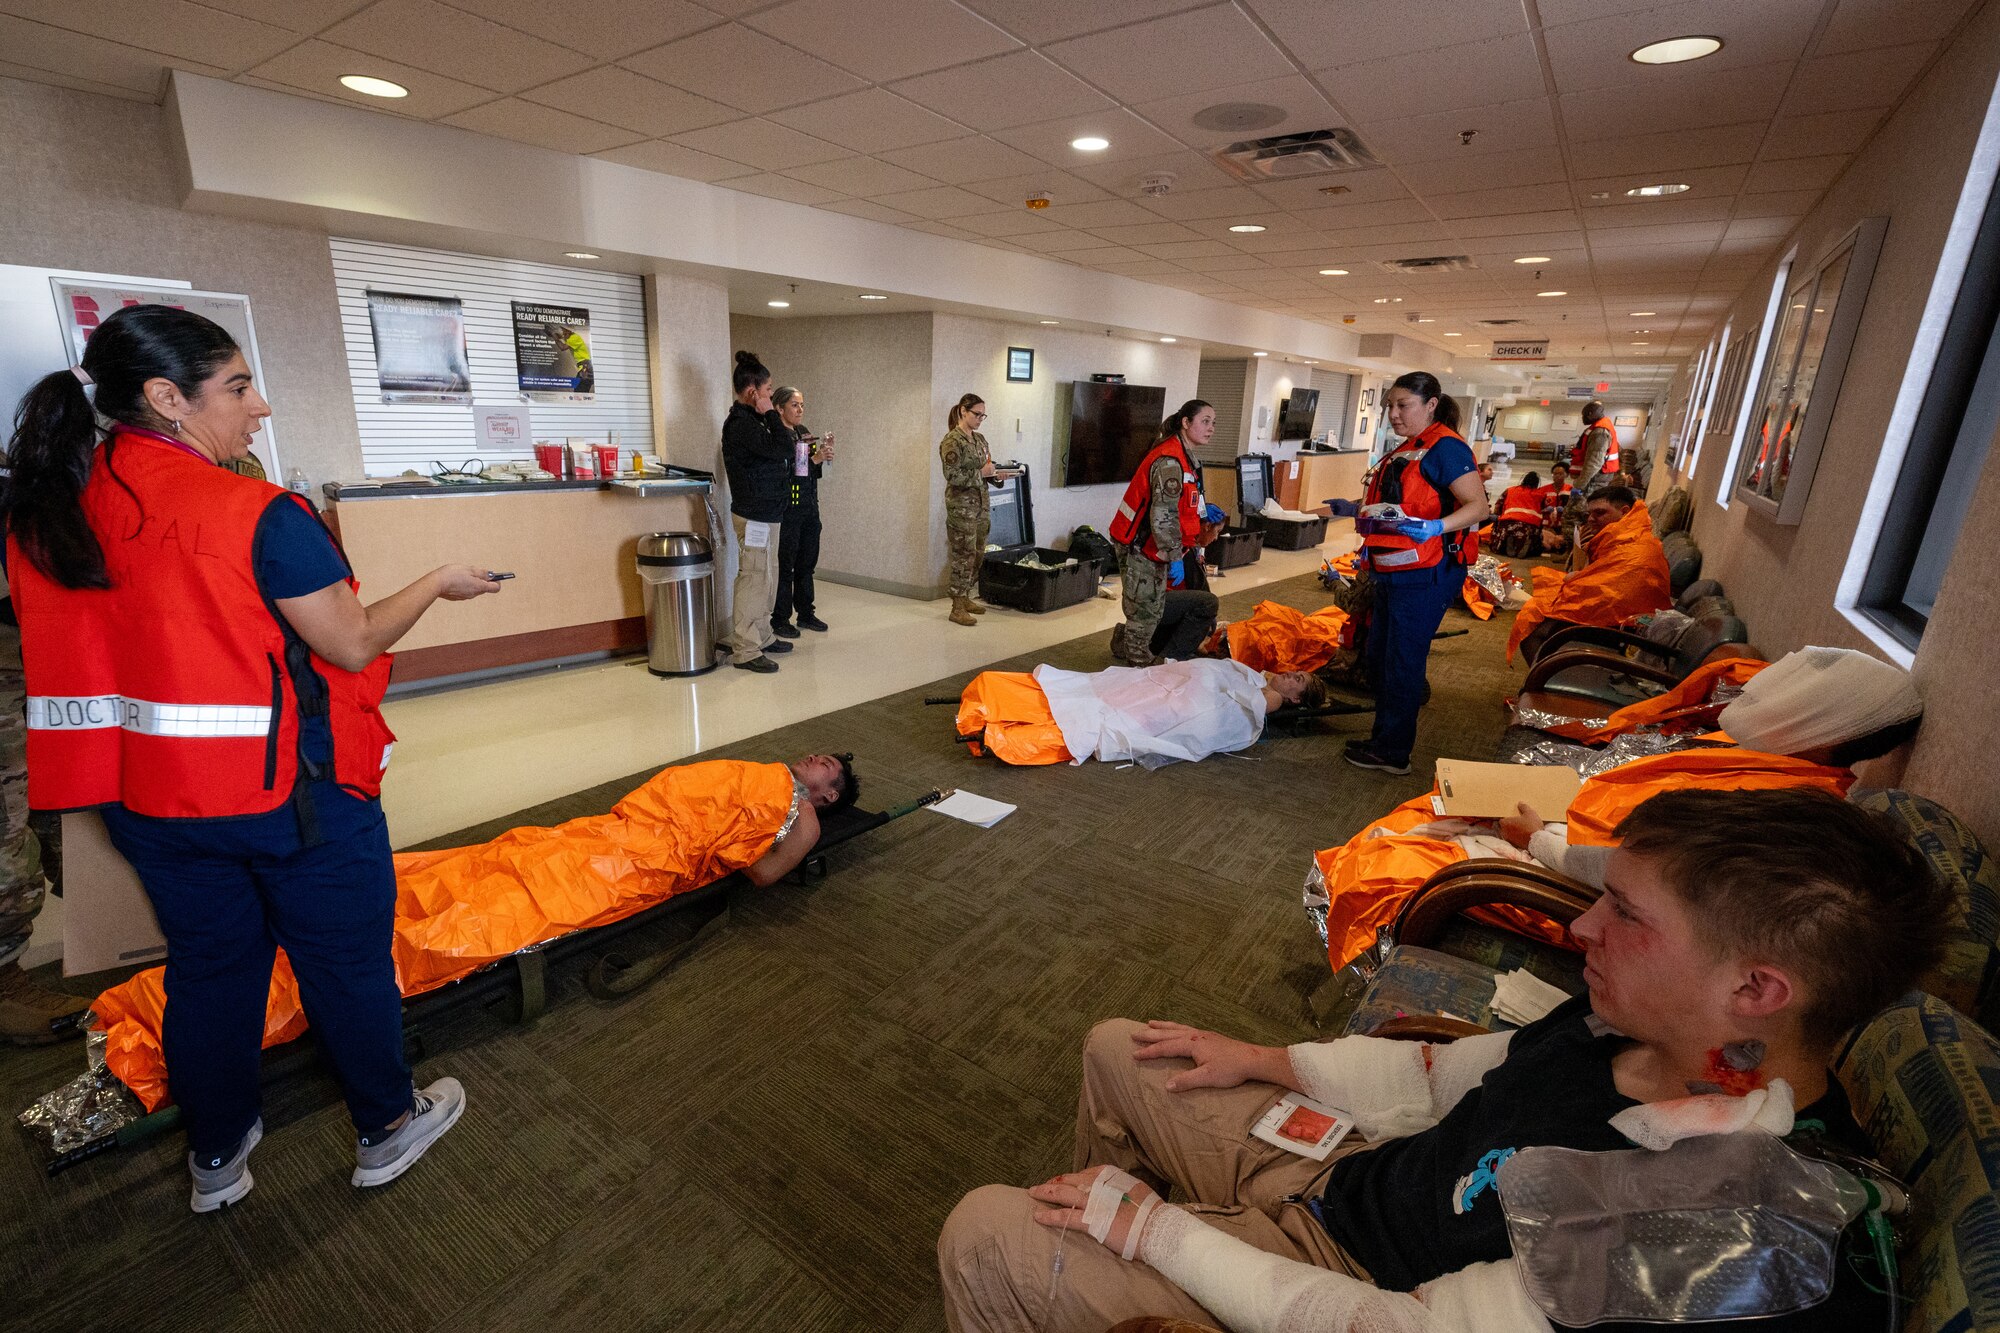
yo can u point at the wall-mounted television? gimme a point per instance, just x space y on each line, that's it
1295 416
1111 426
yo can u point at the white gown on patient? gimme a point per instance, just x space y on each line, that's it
1156 715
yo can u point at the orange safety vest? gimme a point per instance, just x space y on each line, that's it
172 692
1521 505
1577 450
1135 508
1404 483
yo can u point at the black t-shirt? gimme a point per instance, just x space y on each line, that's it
1416 1208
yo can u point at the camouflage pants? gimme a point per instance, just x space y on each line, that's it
21 885
1145 582
966 525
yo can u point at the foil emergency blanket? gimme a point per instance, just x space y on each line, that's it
93 1105
1622 750
1488 575
1036 562
1542 720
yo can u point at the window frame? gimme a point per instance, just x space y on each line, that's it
1753 382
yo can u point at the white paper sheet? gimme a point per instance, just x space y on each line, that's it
756 536
972 809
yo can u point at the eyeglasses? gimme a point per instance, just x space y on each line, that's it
977 416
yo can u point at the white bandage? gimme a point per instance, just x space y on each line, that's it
1139 1226
1100 1210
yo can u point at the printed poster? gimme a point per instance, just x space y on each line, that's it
420 348
552 352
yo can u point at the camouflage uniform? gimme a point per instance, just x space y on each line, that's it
21 884
1145 579
967 519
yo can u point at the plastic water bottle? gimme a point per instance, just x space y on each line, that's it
295 480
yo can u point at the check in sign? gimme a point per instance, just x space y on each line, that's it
1520 350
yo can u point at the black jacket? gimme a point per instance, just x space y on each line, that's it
757 455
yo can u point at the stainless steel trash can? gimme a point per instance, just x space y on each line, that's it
678 571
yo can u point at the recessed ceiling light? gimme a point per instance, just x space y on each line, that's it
1260 353
1642 344
1090 143
1051 321
873 296
1422 320
1246 227
372 87
1312 363
1532 259
1552 293
1655 191
1676 49
1454 335
1641 314
1170 340
578 254
1381 300
1333 273
779 305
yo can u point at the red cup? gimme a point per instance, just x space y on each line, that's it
549 457
607 460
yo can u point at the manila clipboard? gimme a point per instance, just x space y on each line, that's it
1473 790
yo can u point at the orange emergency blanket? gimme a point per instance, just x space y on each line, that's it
1007 713
1281 638
1626 576
1369 877
461 909
1688 706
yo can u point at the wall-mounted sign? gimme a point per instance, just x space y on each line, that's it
420 348
552 352
1020 365
1520 349
503 432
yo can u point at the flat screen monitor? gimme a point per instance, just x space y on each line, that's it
1111 426
1295 417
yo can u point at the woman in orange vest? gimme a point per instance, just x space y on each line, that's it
1158 527
200 670
1417 556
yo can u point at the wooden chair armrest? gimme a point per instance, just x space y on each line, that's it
1600 636
1426 1027
1485 882
1550 665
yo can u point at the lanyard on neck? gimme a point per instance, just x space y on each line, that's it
151 434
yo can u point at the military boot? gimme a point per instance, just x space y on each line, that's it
977 607
961 613
31 1015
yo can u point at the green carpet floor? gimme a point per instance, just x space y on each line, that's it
769 1137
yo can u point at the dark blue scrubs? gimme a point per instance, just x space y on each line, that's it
1409 606
314 876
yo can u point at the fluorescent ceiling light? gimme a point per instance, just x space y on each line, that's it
1246 227
1381 300
1333 273
1655 191
372 87
873 296
1642 344
1170 340
779 305
1454 335
1552 293
1532 259
1090 143
578 254
1051 321
1260 353
1641 314
1676 49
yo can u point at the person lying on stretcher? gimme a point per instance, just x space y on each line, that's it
1153 715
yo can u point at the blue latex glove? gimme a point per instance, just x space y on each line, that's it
1421 529
1343 508
1176 572
1214 514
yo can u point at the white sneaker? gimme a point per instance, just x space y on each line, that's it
434 1110
215 1187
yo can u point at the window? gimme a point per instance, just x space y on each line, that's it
1698 426
1757 358
1677 459
1955 423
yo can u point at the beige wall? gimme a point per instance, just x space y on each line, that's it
1783 579
866 378
88 182
1562 421
687 336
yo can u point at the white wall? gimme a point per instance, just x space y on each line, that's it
688 341
1562 421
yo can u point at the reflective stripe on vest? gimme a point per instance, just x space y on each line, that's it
103 712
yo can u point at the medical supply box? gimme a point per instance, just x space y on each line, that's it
1055 579
1238 545
1280 534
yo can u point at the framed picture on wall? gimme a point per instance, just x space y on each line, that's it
1020 365
1367 400
1801 380
1364 428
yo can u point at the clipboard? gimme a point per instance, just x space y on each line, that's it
1469 789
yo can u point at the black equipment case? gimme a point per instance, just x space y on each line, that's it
1004 582
1280 534
1238 545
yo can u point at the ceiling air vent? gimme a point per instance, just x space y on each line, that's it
1429 264
1498 323
1294 156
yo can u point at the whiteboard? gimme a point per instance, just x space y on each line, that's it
82 303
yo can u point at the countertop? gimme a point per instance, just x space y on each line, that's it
640 487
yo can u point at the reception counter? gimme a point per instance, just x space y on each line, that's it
1323 477
570 544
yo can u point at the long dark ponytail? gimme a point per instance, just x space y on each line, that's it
1425 385
1178 422
55 429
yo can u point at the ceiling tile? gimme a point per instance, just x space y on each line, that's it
1799 173
1009 90
1697 100
1191 171
1112 254
187 32
1510 199
1512 224
1859 25
1485 171
1197 205
1060 187
1648 155
1334 190
1595 53
1049 140
1351 239
450 41
41 48
1660 234
1828 132
862 176
1231 263
1769 229
297 15
1383 30
606 29
1015 224
1188 249
1302 108
617 96
1506 127
1106 213
1040 21
1856 79
1143 268
761 143
1500 69
1780 203
1133 63
943 229
543 126
884 39
869 209
871 121
741 68
316 67
1647 212
1059 240
958 161
671 159
783 187
1149 234
940 201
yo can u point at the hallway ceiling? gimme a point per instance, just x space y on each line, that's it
946 115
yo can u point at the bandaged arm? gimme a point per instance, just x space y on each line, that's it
1394 1088
1255 1292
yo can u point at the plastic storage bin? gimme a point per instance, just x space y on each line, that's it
1238 545
1280 534
1004 582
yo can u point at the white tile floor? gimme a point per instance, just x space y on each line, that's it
471 754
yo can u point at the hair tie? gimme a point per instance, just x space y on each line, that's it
82 375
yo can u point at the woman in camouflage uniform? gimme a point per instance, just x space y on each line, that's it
967 464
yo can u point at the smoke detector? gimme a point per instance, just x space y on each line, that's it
1157 184
1292 156
1038 202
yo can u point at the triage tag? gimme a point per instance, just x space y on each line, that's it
1299 1124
